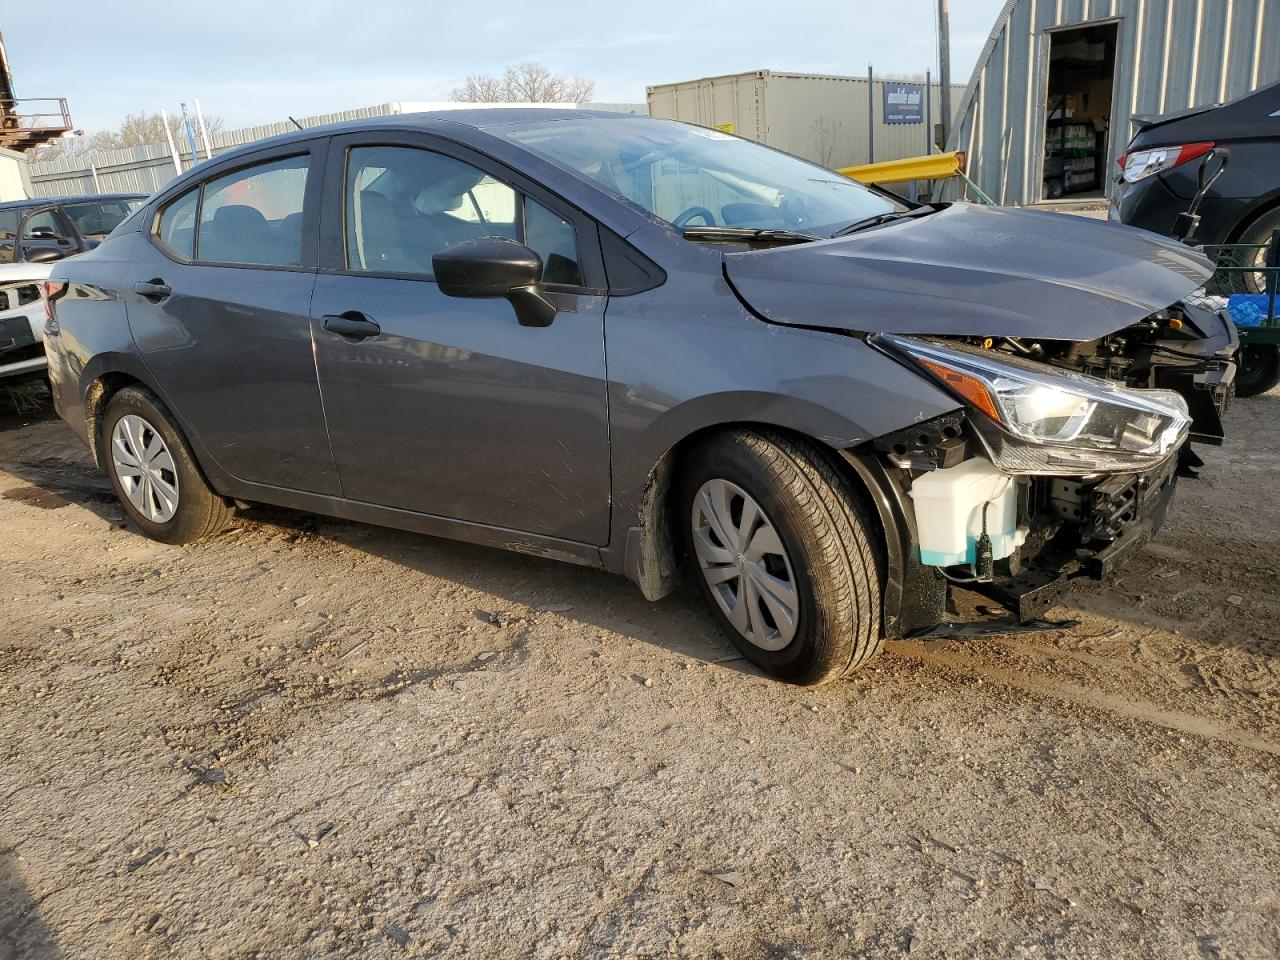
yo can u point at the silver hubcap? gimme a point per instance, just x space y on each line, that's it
144 468
745 564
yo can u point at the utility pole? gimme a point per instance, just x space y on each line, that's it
944 68
928 112
871 115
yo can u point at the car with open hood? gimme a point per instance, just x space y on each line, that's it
651 348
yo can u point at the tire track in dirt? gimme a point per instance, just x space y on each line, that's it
1129 708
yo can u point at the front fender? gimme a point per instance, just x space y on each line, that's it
830 387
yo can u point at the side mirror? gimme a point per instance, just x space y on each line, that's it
492 267
43 255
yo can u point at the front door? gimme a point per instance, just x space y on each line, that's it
45 229
447 406
219 304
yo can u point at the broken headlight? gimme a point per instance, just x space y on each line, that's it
1036 419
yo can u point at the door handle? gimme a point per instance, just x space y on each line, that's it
353 325
154 290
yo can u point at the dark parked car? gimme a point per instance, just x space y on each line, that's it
636 344
1159 177
50 228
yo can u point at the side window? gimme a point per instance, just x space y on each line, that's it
177 225
403 205
552 238
254 215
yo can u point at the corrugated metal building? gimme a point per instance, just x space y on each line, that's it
148 168
1049 105
821 118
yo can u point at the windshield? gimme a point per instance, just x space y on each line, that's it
693 177
97 218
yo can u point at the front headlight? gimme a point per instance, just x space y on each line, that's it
1040 420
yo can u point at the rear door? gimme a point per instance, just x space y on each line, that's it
219 303
447 406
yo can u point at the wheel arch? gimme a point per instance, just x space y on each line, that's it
109 373
1269 204
103 377
911 595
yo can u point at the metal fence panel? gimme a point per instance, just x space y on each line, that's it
147 168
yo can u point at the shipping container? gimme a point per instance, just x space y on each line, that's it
821 118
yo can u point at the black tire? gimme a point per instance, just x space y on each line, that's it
1257 368
1053 189
1260 231
828 536
200 512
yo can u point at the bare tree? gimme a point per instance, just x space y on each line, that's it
480 89
525 83
135 130
825 134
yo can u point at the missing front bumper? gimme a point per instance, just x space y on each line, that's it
1101 524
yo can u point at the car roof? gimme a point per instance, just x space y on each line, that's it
78 198
434 120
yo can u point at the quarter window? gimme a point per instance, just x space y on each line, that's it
8 233
177 227
552 238
254 215
404 205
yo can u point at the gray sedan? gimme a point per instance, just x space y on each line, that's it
648 347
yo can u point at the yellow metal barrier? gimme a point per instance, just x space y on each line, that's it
937 166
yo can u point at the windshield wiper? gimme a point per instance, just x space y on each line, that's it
748 234
882 218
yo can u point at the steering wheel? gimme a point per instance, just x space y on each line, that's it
707 216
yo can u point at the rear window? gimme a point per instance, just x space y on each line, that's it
97 218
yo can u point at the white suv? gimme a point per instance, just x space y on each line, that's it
22 316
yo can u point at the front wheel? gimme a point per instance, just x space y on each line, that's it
782 550
1257 368
153 472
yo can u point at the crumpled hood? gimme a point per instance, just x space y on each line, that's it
970 270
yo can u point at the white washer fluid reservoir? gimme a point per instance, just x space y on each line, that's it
949 512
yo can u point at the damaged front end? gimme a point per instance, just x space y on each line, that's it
1080 387
1051 472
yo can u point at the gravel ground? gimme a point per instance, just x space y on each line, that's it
311 738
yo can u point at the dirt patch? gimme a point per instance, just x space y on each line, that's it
313 738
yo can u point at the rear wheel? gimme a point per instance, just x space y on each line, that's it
783 552
1257 368
1258 232
153 472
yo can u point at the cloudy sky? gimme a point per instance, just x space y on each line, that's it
254 61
